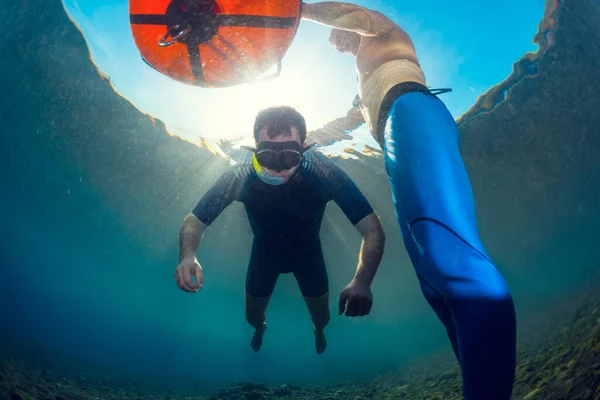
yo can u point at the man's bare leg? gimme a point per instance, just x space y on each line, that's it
318 307
255 315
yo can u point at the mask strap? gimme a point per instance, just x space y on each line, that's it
307 148
302 151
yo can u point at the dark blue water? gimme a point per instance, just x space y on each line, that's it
92 196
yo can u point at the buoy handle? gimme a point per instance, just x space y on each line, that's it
183 33
273 75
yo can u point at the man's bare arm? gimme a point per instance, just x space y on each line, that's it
337 129
190 236
371 249
351 121
344 16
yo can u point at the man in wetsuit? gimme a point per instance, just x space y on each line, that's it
285 190
432 195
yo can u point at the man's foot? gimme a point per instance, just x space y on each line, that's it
320 341
258 337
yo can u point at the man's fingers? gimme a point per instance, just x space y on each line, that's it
360 308
179 278
187 279
353 308
365 309
368 307
364 305
342 303
199 277
181 282
187 289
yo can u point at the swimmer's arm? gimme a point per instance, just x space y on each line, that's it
337 129
343 16
210 206
190 236
371 249
352 120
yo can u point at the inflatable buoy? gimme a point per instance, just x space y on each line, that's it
214 43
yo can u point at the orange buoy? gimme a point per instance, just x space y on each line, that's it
214 43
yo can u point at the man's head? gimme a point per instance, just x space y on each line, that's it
345 41
276 129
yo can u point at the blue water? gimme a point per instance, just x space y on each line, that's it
90 218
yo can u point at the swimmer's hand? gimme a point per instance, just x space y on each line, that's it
188 268
359 298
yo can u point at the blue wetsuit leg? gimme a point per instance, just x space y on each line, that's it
435 209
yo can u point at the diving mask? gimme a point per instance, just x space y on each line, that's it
279 156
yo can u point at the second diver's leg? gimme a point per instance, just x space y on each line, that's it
311 275
435 209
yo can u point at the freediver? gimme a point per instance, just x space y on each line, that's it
432 195
285 189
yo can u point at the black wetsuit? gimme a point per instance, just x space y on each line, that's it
286 220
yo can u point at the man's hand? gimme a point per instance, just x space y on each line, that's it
187 268
359 298
343 16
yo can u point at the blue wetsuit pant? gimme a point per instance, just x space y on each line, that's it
435 209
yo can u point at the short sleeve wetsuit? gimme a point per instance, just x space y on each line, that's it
286 220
